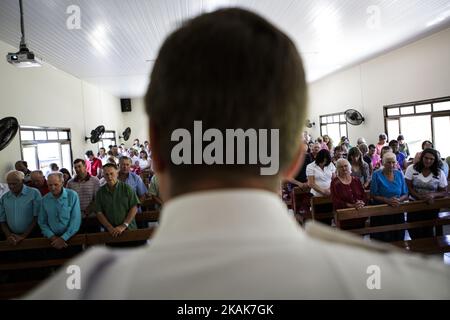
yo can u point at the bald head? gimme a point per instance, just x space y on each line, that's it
15 181
55 182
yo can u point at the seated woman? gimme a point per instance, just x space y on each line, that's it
329 142
388 186
320 173
384 150
425 145
359 168
425 181
374 157
347 192
365 156
337 154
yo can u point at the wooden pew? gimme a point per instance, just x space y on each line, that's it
149 216
130 235
17 289
315 201
437 244
39 243
298 198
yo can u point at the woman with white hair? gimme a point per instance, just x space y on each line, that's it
388 186
347 192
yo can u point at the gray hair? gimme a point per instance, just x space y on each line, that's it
56 174
342 161
15 173
389 156
361 141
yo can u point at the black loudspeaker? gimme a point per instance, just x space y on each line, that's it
126 105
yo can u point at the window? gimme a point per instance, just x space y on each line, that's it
333 125
419 121
43 146
108 139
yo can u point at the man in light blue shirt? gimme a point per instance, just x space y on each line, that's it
135 182
130 178
19 208
60 215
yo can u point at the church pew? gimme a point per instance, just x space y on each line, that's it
438 244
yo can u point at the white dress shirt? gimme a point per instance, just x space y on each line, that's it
242 244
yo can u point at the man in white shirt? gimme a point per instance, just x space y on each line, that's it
224 233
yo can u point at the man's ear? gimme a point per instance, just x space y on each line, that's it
292 170
158 163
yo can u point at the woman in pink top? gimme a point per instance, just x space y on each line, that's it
382 138
374 157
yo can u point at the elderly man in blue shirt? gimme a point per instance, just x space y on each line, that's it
19 208
60 215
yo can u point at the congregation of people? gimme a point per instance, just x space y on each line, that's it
362 175
57 205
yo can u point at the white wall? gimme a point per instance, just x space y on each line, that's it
417 71
49 97
137 120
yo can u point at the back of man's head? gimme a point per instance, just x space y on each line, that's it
229 69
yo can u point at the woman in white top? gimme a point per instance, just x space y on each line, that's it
144 163
320 173
425 181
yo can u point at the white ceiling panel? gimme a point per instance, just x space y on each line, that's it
118 39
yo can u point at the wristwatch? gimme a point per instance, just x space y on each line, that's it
126 224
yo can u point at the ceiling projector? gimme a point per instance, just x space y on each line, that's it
24 59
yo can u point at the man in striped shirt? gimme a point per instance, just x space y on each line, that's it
86 186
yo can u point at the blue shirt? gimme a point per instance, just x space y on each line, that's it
400 159
138 186
381 186
19 211
60 216
136 183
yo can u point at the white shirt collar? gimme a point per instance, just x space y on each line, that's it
227 214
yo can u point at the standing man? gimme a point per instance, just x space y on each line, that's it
116 203
19 209
23 167
60 215
93 164
86 186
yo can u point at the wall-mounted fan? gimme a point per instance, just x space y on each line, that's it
354 117
96 134
309 124
8 130
126 134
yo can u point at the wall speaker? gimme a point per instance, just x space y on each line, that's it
126 105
